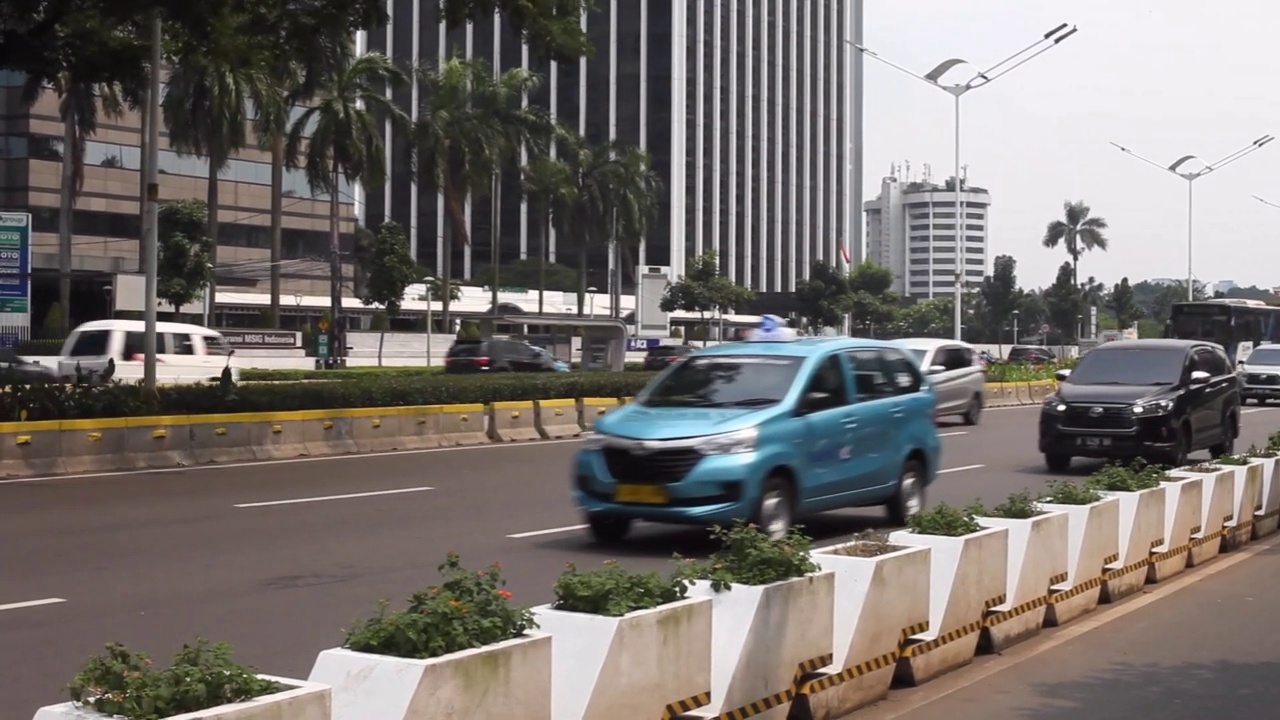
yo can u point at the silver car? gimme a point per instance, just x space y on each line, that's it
1260 375
955 372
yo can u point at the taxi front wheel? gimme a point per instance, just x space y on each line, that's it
609 530
908 499
776 513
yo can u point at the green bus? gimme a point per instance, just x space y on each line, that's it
1237 325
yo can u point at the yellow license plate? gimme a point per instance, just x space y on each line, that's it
642 494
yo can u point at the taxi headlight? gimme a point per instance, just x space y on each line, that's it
1053 403
1158 407
741 441
593 441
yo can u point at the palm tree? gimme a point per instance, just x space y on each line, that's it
548 183
470 124
205 111
78 108
345 140
1077 232
635 190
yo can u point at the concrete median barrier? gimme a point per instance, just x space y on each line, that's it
93 445
999 395
327 432
376 429
513 421
31 448
1041 390
222 438
157 442
278 436
463 425
593 408
420 427
558 419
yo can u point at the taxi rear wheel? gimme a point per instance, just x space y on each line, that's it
908 499
776 514
609 530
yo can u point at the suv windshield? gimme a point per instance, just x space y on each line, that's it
466 349
1264 356
725 381
1146 366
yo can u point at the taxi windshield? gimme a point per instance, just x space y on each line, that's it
725 381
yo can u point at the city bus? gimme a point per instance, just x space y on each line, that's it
1235 324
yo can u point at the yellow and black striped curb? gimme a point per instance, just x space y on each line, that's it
951 636
1258 516
995 618
1133 566
1215 535
863 668
778 699
1169 554
1059 578
686 705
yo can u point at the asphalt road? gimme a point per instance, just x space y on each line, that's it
276 558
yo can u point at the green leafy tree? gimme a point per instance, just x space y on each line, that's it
1121 303
469 125
1063 304
872 303
436 287
824 298
1000 295
184 270
1077 232
926 318
548 184
529 273
340 136
704 290
391 271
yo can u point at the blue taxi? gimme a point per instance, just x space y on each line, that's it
763 430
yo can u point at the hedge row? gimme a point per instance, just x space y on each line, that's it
357 373
61 402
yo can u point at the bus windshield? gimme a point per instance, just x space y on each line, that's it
1224 323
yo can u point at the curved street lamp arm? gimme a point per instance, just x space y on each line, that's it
1050 40
1248 149
1144 159
876 56
1265 202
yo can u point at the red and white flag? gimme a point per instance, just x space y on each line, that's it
845 254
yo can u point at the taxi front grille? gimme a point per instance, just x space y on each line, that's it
655 468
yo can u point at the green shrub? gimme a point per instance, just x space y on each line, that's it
1273 440
945 520
124 683
467 610
1261 452
1065 492
1233 460
57 402
747 556
1018 506
1203 467
614 592
868 544
1130 478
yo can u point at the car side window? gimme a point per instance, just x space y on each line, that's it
134 344
1218 361
953 358
829 379
904 373
871 380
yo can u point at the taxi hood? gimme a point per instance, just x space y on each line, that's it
669 423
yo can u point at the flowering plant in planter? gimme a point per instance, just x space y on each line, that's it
945 520
125 683
467 610
1065 492
613 592
747 556
1126 478
1018 506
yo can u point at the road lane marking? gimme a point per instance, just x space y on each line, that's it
324 498
31 603
260 463
1254 410
953 434
574 528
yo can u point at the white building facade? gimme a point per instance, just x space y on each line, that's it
911 230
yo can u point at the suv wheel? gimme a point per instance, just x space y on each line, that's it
609 530
1228 444
972 413
776 513
1178 458
1057 463
908 499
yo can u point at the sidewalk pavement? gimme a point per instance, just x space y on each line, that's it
1205 644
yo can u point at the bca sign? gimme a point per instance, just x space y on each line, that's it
279 339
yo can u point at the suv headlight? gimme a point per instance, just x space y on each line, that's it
1053 403
592 441
741 441
1157 407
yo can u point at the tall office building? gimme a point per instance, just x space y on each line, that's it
911 229
750 110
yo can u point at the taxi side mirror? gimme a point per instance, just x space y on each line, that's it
813 402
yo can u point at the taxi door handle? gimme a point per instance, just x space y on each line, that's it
850 423
896 412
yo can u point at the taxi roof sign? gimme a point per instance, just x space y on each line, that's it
772 329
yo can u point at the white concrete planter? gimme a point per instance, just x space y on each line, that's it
1093 542
1037 559
509 679
967 577
878 601
1245 503
1141 532
1267 521
761 636
634 666
1183 507
1217 493
298 701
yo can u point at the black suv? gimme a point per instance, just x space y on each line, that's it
475 356
660 356
1160 400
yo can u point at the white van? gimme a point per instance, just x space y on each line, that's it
184 353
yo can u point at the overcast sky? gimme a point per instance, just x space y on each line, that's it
1163 77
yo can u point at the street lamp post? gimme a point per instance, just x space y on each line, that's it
429 281
592 292
1191 178
984 77
1015 327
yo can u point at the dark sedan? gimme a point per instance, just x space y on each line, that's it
661 356
17 370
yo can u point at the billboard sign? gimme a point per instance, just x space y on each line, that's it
15 265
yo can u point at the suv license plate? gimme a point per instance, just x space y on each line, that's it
641 494
1093 442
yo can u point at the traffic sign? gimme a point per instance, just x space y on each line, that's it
322 345
324 324
1044 328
